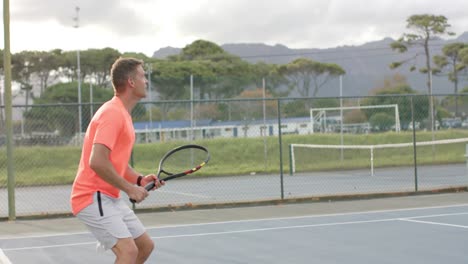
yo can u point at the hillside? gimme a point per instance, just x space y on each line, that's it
366 65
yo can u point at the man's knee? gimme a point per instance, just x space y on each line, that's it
148 248
126 250
145 246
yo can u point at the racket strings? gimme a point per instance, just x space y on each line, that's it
183 160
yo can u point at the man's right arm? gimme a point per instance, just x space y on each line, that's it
99 162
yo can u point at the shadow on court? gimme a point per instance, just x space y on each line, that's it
416 229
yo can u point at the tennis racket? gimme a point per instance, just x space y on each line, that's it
176 163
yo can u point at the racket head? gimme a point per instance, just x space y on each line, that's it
182 161
179 162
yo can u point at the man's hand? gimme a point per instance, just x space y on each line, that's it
137 193
152 178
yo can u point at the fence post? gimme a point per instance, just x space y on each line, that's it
132 163
291 171
280 149
466 157
9 114
414 147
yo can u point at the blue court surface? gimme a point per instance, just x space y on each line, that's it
415 229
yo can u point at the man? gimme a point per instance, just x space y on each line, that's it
104 170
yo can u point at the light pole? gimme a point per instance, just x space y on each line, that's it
91 109
150 96
192 137
8 112
78 71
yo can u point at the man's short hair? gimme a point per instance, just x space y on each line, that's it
121 70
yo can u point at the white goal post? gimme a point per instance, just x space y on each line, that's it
322 113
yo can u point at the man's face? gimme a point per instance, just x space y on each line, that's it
140 82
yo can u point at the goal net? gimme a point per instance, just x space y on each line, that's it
313 157
332 119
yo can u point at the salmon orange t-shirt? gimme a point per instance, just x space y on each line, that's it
111 126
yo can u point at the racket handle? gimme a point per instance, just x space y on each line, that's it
148 187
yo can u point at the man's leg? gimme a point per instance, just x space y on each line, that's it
145 246
126 251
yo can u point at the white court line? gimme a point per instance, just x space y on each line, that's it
319 216
263 219
434 215
218 233
261 229
411 219
3 258
433 223
277 228
50 246
186 194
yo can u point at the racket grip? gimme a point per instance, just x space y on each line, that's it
148 187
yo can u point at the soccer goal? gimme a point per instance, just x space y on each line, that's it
314 157
325 119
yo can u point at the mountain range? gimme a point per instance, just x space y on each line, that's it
366 65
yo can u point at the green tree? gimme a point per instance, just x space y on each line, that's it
424 28
46 66
218 74
306 75
273 80
464 56
451 60
171 79
22 69
382 121
137 55
254 109
202 50
395 91
96 64
54 109
302 107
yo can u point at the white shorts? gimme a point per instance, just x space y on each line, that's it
110 219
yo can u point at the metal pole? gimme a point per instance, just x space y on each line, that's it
341 118
265 130
80 121
91 110
280 149
415 160
191 108
8 112
431 104
150 98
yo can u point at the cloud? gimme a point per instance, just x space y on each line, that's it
146 25
109 15
311 23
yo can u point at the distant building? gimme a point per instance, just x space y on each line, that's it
161 131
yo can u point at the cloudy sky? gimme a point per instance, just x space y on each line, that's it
147 25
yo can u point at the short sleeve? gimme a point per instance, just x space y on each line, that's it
108 128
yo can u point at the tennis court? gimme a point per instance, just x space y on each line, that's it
413 229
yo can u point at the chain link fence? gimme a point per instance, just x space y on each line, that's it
262 149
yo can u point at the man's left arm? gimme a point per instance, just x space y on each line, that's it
131 175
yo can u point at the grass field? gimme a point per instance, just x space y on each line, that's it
241 156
